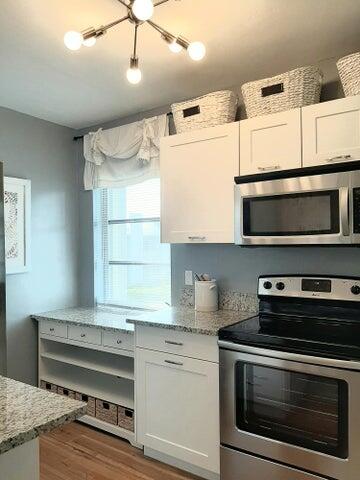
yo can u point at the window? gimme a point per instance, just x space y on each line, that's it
132 266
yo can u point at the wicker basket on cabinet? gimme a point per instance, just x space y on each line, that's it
294 89
209 110
349 71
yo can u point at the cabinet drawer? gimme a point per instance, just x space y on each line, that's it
203 347
53 328
85 334
123 341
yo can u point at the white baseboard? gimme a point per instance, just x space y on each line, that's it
174 462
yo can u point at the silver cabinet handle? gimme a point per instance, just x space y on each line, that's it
83 335
339 157
52 329
118 342
196 238
271 167
171 362
170 342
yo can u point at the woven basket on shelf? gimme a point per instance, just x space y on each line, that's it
349 71
207 111
294 89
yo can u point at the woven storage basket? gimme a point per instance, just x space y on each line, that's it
294 89
90 403
66 392
207 111
349 71
106 411
126 418
48 386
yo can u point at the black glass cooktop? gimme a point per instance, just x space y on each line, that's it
335 335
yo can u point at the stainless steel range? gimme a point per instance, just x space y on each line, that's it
290 383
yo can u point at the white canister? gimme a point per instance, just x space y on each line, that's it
206 296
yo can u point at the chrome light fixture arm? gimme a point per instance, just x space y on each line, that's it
139 12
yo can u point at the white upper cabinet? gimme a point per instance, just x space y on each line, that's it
271 142
197 171
331 132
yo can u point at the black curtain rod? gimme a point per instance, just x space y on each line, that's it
80 137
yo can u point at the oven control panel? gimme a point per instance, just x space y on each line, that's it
329 288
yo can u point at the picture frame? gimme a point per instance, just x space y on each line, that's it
17 220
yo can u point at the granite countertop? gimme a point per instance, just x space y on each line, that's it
188 320
26 412
106 318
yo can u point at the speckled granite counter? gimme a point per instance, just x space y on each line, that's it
105 318
187 320
26 412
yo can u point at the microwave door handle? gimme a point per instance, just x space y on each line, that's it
344 211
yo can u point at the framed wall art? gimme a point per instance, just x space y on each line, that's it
17 218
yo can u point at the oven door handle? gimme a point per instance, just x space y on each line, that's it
344 211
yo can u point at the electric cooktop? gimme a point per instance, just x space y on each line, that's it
317 316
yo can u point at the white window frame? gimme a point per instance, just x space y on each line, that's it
101 258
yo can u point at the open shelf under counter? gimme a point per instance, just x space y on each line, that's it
93 383
81 356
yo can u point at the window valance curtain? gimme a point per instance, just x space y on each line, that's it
124 155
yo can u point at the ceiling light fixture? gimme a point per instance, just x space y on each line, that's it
133 73
139 12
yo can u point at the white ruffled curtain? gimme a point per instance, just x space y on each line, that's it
124 155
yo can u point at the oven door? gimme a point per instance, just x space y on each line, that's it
298 414
300 210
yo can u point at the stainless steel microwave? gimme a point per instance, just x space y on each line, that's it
296 207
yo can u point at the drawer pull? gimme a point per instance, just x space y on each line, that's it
83 335
118 342
171 362
339 157
196 238
52 329
271 167
170 342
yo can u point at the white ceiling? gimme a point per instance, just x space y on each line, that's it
246 40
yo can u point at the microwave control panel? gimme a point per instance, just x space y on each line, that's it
356 209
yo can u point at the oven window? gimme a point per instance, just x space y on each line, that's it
296 408
312 213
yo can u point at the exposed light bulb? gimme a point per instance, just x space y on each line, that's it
134 75
175 47
196 51
73 40
89 42
143 9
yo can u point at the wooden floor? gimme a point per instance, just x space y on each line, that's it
78 452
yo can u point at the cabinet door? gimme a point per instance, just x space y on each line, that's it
331 132
177 407
271 142
197 172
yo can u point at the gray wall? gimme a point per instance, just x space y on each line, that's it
235 267
44 153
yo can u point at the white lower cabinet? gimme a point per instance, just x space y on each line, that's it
177 402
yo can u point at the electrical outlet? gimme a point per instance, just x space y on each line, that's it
189 277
